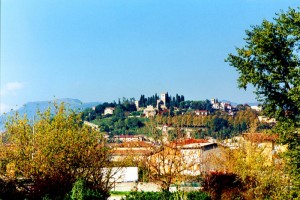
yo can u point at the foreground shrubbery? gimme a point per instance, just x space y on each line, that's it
166 195
80 191
47 156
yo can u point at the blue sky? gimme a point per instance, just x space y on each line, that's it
97 50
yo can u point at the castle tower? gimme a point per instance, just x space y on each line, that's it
137 104
213 101
163 97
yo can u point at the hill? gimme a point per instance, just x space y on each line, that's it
31 108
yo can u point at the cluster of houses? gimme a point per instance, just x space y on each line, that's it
189 156
185 156
224 106
151 111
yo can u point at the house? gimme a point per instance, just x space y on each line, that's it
266 119
134 151
256 108
215 104
264 143
188 157
150 111
201 112
109 110
94 126
129 138
225 106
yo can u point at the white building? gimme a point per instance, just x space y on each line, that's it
94 126
266 119
257 108
109 111
149 111
201 112
162 102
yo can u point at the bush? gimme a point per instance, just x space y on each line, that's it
166 195
222 185
198 195
8 190
81 192
149 196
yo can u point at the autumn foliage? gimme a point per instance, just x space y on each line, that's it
47 155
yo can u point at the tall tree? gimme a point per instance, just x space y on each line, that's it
270 62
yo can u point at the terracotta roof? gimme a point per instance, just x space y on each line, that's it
124 136
134 144
131 152
260 137
188 141
127 136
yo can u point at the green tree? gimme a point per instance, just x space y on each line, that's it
270 62
81 191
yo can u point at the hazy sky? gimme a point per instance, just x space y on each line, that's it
97 50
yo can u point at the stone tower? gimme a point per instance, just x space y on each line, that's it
163 97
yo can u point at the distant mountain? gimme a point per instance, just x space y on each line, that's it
31 108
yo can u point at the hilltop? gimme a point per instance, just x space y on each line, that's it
31 108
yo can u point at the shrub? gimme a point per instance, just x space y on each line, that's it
222 185
166 195
150 196
81 192
198 195
8 190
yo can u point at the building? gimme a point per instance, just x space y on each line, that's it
256 108
161 104
186 156
265 119
129 138
264 143
215 104
225 106
267 145
137 104
133 151
149 111
109 111
164 97
94 126
201 112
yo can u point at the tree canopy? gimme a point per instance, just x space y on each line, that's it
270 62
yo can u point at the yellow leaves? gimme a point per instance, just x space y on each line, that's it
254 164
50 145
10 170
